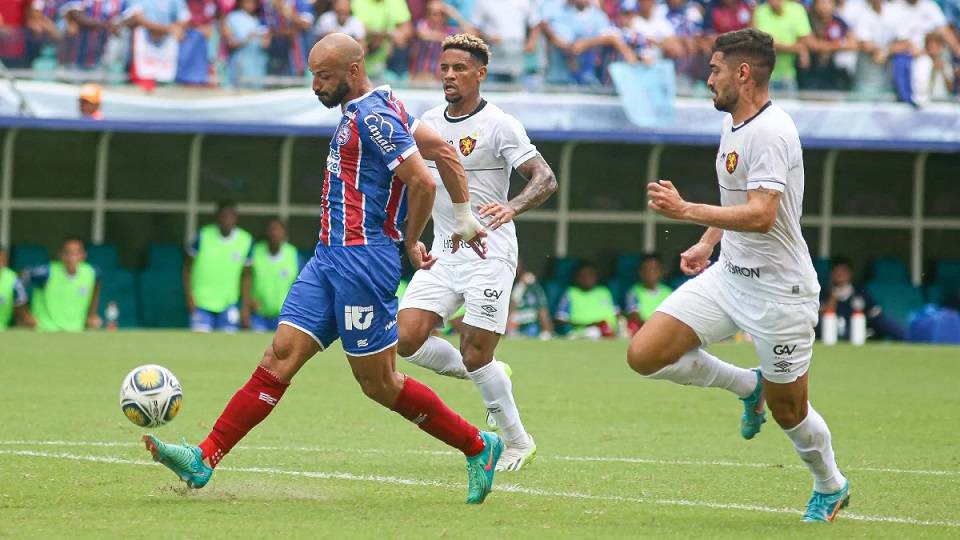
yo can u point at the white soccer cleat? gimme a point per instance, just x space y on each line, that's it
515 458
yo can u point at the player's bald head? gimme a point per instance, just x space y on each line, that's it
335 50
336 62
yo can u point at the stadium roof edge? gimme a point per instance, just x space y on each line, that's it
586 136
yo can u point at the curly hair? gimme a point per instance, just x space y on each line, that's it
470 44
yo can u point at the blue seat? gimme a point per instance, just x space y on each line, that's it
161 297
822 266
554 291
889 270
564 268
896 299
164 256
103 256
947 271
627 266
618 288
677 280
305 256
119 286
27 255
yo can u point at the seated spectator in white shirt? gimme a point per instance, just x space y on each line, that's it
653 25
917 18
503 24
340 19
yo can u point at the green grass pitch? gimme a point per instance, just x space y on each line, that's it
619 456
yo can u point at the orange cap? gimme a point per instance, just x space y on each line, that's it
90 93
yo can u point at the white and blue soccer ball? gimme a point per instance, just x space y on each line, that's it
150 396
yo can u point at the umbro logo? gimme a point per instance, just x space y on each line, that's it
489 309
783 366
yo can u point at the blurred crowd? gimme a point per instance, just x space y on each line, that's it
907 48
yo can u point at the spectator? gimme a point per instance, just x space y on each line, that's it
276 264
587 308
13 297
503 25
529 310
89 102
43 31
12 34
246 40
687 21
161 25
427 46
340 19
729 15
389 32
217 261
193 61
578 21
916 19
289 23
843 298
96 21
465 7
786 21
833 43
646 295
656 30
932 74
875 24
66 292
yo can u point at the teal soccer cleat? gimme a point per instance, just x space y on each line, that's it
481 467
753 414
185 461
823 507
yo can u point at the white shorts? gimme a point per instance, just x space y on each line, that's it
484 287
782 333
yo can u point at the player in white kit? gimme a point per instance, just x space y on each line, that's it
491 144
764 282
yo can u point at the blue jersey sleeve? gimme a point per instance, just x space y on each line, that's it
563 308
386 136
194 246
633 302
248 261
19 294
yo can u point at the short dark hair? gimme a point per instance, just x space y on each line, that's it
751 46
471 44
225 204
841 260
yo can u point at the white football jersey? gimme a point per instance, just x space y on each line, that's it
490 144
764 151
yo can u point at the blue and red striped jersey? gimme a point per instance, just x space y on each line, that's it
363 201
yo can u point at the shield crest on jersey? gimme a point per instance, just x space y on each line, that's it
467 144
732 160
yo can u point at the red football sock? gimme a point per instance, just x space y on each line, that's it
422 406
248 407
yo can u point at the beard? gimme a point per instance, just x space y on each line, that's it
336 98
724 103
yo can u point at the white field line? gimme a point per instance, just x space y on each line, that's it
581 459
507 488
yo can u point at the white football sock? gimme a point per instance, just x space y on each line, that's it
811 439
699 368
439 356
497 392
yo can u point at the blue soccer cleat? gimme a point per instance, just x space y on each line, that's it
753 414
823 507
185 461
481 467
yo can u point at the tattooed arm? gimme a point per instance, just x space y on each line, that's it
541 183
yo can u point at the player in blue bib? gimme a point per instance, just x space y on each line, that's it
375 174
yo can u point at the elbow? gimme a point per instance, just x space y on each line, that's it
764 223
551 184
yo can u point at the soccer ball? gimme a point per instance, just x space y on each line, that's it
150 396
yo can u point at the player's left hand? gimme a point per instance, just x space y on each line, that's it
499 213
478 243
420 258
665 200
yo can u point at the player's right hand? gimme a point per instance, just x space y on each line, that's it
420 258
696 259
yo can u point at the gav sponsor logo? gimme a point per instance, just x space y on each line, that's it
492 293
741 270
784 350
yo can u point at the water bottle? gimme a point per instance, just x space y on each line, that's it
858 328
112 313
828 328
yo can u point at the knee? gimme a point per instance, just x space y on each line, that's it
787 413
278 359
643 358
383 390
411 337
